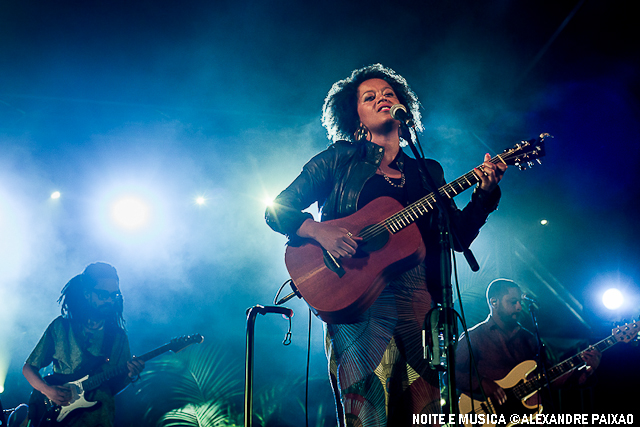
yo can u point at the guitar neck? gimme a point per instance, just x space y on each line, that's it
94 381
576 361
540 380
428 203
521 155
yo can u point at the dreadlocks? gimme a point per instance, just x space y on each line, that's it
73 302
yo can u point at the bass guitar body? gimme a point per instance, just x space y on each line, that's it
528 405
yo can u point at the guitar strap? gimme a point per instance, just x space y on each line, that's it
108 339
107 344
94 363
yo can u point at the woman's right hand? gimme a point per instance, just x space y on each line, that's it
338 241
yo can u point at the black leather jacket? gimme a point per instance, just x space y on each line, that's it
335 177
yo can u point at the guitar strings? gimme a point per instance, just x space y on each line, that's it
415 210
412 212
406 216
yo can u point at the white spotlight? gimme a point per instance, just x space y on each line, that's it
55 195
612 299
130 213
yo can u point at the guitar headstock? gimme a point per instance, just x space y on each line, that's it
627 332
180 343
524 153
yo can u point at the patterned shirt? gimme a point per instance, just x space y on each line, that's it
68 347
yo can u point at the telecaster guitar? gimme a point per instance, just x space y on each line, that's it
521 389
44 413
340 290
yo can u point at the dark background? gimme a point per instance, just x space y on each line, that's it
221 99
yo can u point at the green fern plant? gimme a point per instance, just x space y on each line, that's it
211 414
195 387
202 386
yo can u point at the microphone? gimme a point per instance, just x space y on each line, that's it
399 112
530 299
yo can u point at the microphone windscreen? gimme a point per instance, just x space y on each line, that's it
398 111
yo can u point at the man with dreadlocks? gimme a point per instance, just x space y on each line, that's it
87 336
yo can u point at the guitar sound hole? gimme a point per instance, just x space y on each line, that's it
373 243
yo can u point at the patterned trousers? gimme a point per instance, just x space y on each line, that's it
376 365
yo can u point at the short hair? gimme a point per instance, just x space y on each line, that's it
499 288
340 110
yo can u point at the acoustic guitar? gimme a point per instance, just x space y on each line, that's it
339 290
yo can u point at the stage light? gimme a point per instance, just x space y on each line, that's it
55 195
130 213
133 215
612 299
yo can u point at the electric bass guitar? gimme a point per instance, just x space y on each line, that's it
339 290
44 413
521 388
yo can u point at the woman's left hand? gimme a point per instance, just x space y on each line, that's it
490 174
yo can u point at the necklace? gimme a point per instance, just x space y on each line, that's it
393 184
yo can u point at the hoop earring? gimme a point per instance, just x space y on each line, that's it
362 133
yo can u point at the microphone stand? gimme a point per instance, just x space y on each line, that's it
446 321
252 313
542 355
